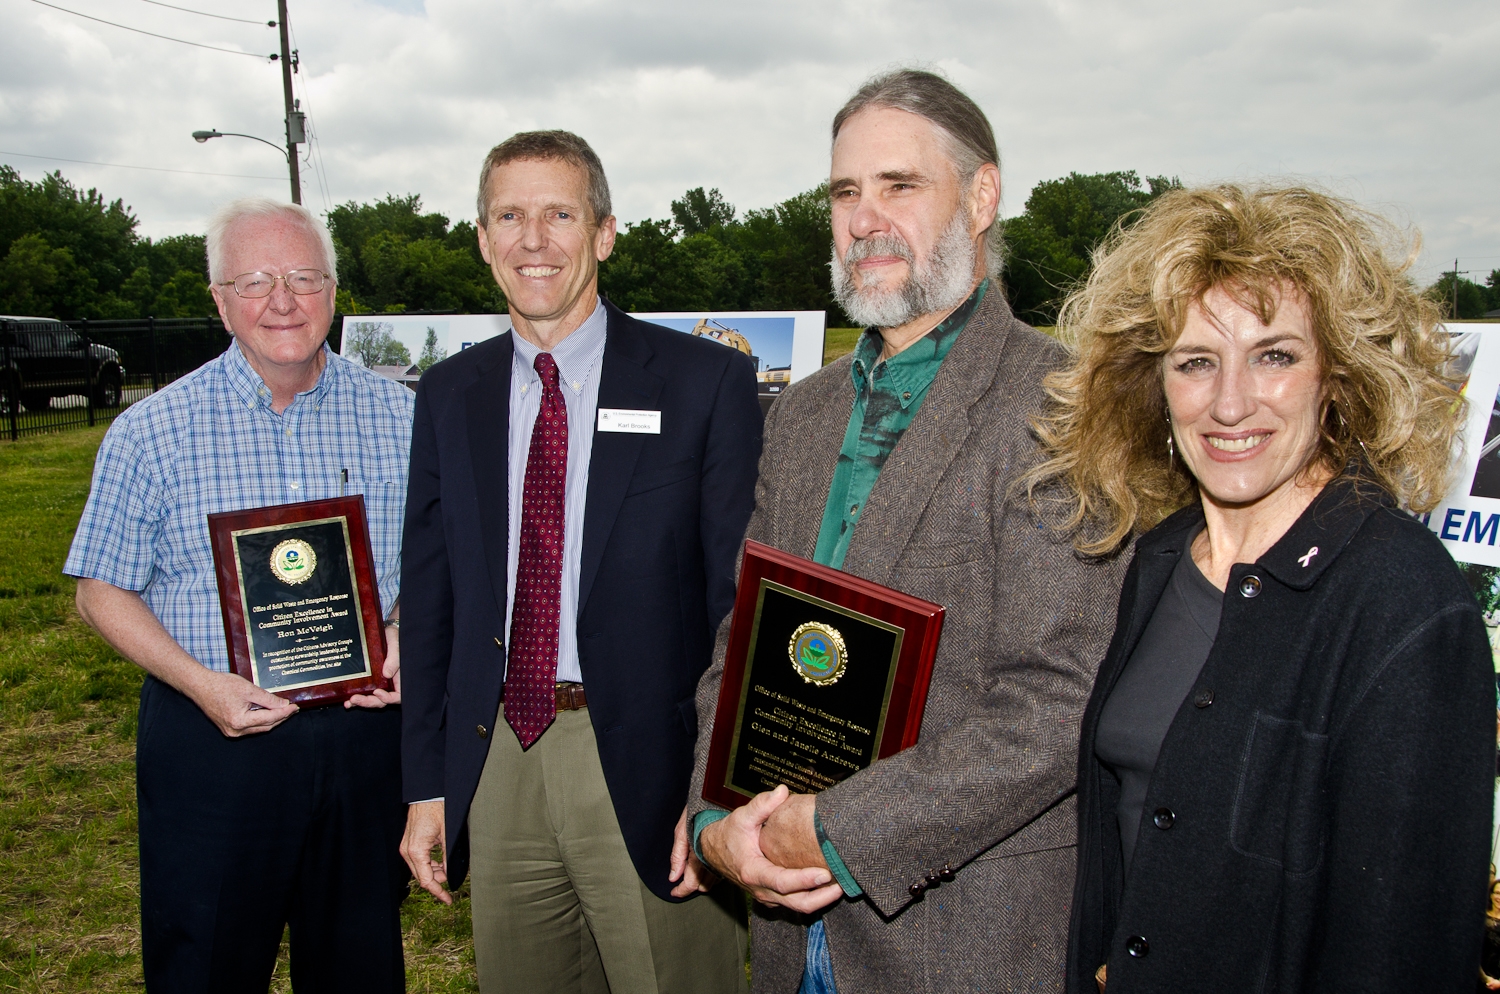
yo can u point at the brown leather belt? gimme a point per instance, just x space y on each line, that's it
570 697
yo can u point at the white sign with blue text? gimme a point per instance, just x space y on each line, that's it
1468 521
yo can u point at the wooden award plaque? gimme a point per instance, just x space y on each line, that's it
825 674
300 602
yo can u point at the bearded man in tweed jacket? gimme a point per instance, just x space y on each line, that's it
949 866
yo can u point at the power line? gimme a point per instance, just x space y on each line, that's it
121 165
153 34
204 13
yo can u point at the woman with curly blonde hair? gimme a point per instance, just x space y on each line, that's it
1286 767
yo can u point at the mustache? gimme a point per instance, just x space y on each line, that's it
889 244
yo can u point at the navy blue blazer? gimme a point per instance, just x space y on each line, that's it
663 523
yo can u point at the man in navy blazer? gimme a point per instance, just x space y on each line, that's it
568 838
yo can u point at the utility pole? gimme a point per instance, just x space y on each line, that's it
1453 314
295 129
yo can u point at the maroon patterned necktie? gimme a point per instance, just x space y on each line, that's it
531 668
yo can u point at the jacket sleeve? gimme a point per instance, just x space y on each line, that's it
727 489
426 615
1010 756
1407 846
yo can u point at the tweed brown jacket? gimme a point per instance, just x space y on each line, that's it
964 843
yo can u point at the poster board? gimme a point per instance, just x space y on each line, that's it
454 332
1468 520
785 346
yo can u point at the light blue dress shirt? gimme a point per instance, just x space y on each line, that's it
579 358
210 442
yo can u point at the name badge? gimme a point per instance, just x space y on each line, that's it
635 422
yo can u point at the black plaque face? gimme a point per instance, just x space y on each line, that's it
302 610
803 720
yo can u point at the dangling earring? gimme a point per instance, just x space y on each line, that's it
1171 451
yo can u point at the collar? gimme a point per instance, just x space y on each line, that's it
575 355
251 389
910 372
1309 547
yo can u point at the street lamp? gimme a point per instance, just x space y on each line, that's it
202 136
298 134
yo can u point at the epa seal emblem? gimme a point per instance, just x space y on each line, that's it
293 561
818 653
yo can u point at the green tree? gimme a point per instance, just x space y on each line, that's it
1473 299
786 249
39 280
423 275
373 344
775 258
698 213
431 352
393 257
1049 246
105 270
98 235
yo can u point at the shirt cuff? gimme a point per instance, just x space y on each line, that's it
835 864
426 800
702 820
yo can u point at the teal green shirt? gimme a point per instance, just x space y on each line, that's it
887 396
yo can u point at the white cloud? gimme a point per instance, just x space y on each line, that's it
1391 103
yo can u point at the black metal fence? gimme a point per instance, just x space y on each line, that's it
56 375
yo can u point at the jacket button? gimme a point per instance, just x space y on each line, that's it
1137 946
946 872
915 890
484 733
1203 698
1250 586
1163 818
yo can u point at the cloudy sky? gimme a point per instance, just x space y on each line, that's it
1393 103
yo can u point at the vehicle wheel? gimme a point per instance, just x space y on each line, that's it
107 391
34 400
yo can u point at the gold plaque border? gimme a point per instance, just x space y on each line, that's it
760 600
359 614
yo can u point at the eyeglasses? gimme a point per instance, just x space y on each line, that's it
299 281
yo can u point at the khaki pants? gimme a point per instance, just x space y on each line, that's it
558 905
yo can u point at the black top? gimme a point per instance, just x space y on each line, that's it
1327 782
1152 686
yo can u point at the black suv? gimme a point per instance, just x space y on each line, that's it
41 358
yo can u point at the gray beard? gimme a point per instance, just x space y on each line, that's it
941 283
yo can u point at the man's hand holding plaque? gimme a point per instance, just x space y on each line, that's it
773 862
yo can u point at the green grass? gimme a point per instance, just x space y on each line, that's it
69 912
839 342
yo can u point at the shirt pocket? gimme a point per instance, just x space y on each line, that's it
1279 800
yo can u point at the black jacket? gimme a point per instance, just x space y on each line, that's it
1319 817
663 520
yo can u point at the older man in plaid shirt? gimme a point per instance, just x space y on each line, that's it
253 814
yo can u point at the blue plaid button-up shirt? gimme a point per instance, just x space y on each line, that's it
210 442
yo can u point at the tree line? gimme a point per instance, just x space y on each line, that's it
70 253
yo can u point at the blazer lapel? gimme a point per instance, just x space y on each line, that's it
624 382
820 431
913 469
487 406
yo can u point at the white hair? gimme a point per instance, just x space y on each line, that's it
258 208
